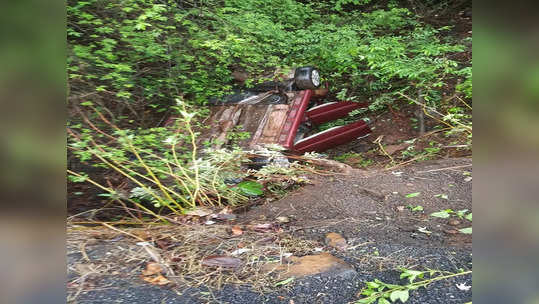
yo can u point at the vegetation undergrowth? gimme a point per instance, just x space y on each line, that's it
386 293
130 60
145 53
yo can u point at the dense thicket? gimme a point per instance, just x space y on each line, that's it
140 54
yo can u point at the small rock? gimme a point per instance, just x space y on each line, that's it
283 219
336 241
324 264
454 222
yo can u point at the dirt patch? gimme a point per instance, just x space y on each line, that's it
373 205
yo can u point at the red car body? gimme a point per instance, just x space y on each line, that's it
280 123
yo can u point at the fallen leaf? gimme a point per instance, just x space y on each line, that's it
157 280
226 210
283 219
262 227
454 222
152 268
400 208
84 269
236 230
442 196
413 194
221 261
336 241
417 208
466 230
284 282
240 251
441 214
163 244
463 287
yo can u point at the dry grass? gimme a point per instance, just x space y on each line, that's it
95 253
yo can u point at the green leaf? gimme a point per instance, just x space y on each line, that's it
373 285
284 282
442 196
441 214
413 194
251 188
368 292
468 217
461 213
417 208
366 301
383 301
401 295
86 103
467 230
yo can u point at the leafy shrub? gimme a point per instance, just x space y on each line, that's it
149 52
163 166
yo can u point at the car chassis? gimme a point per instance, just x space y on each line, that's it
286 116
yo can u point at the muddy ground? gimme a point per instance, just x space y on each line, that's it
368 208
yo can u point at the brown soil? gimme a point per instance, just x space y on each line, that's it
371 205
395 127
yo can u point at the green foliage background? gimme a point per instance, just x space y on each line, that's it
135 56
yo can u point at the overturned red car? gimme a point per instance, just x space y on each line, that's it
285 113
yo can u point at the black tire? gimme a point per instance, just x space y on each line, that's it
307 78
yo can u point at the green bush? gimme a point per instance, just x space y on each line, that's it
148 52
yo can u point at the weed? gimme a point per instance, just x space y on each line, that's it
461 214
410 195
386 293
355 159
417 208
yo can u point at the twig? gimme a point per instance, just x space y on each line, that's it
82 249
121 231
379 142
404 163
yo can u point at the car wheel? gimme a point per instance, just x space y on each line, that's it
307 78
